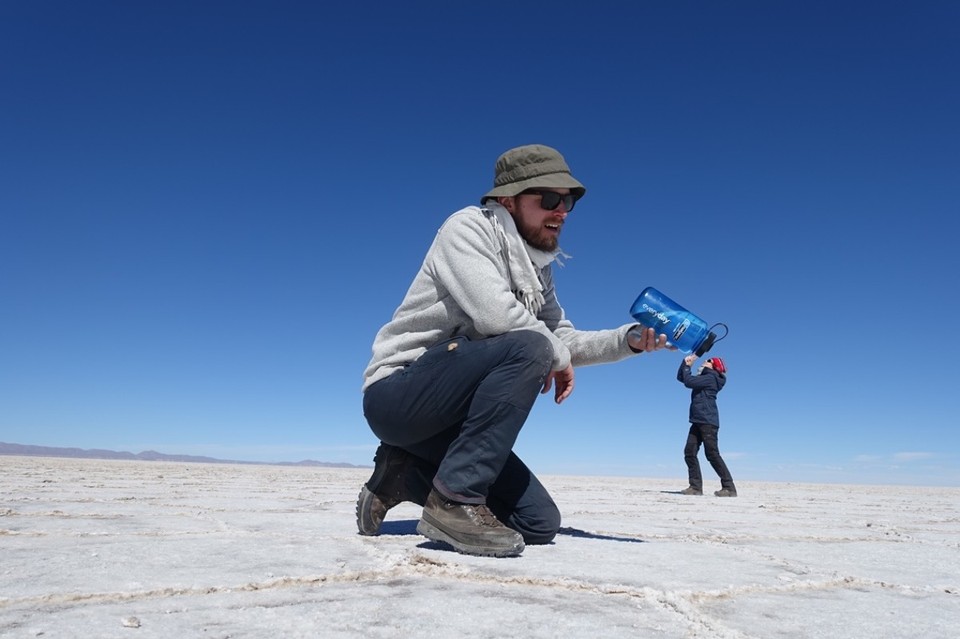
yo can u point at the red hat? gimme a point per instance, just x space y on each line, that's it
717 364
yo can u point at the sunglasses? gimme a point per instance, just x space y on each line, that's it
550 200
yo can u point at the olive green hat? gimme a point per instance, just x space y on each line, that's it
532 166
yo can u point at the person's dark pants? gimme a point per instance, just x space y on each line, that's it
706 435
461 406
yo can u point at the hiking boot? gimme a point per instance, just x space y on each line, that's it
690 490
470 528
397 476
371 510
726 492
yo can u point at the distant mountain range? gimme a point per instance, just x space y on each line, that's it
147 455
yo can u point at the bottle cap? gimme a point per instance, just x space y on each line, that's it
707 344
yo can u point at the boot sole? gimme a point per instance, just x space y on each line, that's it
365 524
433 533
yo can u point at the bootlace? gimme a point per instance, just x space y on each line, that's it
485 517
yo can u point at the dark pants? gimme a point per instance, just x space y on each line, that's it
461 406
707 435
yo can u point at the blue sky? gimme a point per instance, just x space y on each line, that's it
208 209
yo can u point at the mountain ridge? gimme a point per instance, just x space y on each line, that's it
28 450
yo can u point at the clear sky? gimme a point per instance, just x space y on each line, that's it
209 208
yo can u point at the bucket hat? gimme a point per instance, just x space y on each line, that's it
532 166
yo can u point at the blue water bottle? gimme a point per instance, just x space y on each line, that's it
683 329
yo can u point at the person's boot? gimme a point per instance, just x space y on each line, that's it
397 476
690 490
470 528
726 492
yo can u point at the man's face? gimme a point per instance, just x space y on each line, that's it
540 228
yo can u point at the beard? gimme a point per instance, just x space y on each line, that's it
536 237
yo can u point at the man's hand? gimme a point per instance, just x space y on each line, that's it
643 339
564 382
690 359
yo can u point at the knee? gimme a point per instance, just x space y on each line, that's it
542 531
539 530
532 345
527 358
538 524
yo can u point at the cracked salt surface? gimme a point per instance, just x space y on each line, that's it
132 549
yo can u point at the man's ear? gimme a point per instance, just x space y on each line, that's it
507 202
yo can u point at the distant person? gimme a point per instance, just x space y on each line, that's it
455 372
705 423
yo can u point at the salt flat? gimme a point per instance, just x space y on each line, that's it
94 548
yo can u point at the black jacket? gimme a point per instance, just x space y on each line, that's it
703 396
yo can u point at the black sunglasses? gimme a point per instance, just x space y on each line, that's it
550 200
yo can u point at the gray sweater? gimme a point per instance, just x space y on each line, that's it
463 289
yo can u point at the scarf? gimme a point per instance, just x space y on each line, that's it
524 262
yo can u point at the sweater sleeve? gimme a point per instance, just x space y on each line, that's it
586 347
